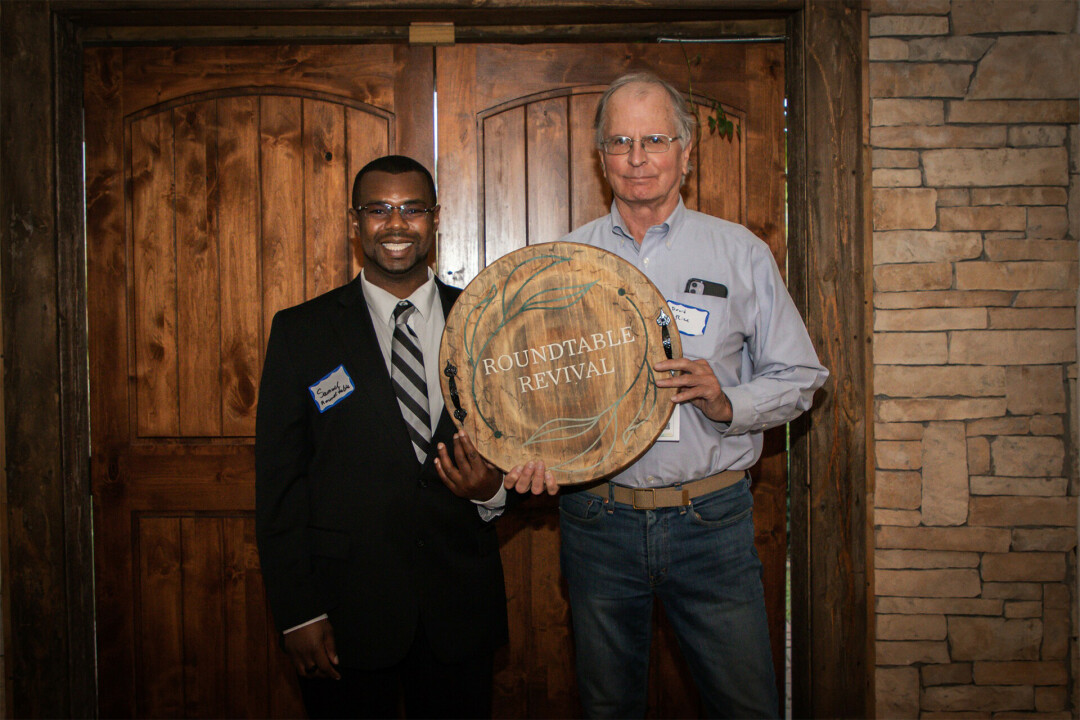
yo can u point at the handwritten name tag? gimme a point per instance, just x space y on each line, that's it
332 389
691 320
670 433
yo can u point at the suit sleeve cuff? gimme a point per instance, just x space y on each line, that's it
324 616
493 507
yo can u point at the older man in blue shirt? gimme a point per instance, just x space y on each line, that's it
678 523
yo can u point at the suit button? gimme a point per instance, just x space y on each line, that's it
419 543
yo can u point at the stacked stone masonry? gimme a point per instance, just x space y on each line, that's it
975 146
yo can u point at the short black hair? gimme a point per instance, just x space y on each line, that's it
395 165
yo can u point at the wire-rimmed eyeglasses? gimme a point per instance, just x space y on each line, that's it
621 145
410 212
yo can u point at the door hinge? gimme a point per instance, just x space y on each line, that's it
431 33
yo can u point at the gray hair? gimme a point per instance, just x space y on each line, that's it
685 122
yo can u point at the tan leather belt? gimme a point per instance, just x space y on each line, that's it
664 497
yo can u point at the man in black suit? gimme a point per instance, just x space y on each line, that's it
379 556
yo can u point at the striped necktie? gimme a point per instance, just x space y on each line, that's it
407 376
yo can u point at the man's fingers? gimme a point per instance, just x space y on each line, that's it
312 650
471 453
461 458
445 467
329 645
324 668
550 484
520 477
682 364
540 476
314 665
532 477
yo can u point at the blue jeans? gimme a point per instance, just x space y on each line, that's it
701 562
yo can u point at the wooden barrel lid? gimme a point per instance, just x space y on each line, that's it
548 354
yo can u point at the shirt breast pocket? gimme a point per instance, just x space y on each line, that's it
702 321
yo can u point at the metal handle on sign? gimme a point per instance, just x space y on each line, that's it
451 373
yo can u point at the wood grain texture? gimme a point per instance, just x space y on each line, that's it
203 618
237 228
832 642
509 694
367 137
505 225
159 617
552 348
237 200
106 257
552 686
198 302
716 185
413 133
80 693
363 73
515 12
535 671
547 170
593 23
590 196
154 259
459 248
770 490
325 197
247 640
765 140
36 655
281 204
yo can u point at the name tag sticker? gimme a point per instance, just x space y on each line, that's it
689 319
670 433
332 389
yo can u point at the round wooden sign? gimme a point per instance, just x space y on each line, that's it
548 355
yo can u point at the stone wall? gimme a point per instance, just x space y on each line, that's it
974 111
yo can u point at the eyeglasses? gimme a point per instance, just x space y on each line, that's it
410 212
621 145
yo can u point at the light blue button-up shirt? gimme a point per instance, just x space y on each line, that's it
754 339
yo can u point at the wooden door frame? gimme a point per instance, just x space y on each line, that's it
48 596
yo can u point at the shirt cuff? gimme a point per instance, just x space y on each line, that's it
742 412
496 501
493 507
324 616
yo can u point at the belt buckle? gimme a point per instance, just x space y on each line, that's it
644 492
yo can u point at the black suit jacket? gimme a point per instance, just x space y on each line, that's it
348 523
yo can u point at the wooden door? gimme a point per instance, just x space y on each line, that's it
216 185
517 166
216 192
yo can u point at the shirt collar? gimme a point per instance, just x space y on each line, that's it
673 221
382 303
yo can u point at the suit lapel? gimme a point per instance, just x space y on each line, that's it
352 323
